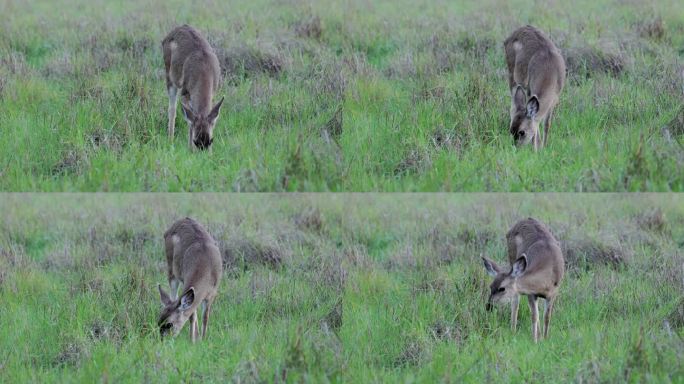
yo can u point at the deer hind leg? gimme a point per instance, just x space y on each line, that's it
532 301
514 312
170 249
547 125
173 101
547 315
205 320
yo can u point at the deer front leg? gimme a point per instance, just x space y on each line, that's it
185 100
547 315
173 101
193 326
205 320
174 283
514 312
532 301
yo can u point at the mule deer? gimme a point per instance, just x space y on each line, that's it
536 74
194 260
193 69
537 268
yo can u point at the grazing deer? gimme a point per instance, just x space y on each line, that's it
536 74
537 268
193 69
194 260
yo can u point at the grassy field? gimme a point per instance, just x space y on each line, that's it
339 96
356 288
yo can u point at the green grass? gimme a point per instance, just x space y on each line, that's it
368 288
416 93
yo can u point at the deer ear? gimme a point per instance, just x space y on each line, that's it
187 299
491 267
519 97
214 114
519 266
163 296
187 112
532 106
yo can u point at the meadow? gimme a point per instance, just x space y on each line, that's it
339 288
339 96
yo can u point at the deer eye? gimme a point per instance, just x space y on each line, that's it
501 289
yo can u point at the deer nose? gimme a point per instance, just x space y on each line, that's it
165 329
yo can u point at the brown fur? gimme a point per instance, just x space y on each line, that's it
537 268
193 69
536 75
193 259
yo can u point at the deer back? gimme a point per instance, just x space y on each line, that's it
534 62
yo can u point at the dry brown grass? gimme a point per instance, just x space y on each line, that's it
587 62
241 60
586 254
651 29
309 27
241 254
